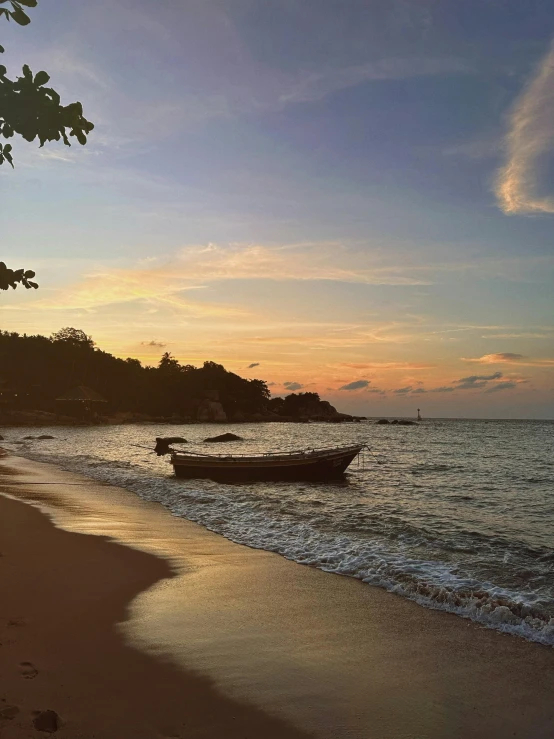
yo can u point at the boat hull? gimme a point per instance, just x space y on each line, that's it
232 469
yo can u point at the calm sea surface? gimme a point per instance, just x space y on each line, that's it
454 514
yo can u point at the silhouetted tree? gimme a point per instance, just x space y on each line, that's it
74 336
42 369
31 110
168 364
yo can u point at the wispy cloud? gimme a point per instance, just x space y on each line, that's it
474 382
523 185
388 365
497 358
510 358
316 85
164 280
355 385
507 385
156 344
254 364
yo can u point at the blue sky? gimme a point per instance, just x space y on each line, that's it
337 192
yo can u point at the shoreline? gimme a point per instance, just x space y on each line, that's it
61 650
326 653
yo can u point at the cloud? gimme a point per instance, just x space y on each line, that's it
510 358
403 390
388 365
507 385
254 364
483 148
317 85
518 335
418 390
496 358
442 390
163 280
157 344
293 386
355 385
476 378
474 382
522 185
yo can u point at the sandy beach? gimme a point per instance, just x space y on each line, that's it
128 622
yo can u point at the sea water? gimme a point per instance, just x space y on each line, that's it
456 515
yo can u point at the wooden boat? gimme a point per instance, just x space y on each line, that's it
308 464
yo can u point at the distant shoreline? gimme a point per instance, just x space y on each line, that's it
112 421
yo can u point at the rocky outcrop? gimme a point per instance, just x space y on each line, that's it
163 443
36 418
224 437
211 411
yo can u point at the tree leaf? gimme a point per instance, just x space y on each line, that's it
2 49
41 78
20 16
29 273
28 3
53 95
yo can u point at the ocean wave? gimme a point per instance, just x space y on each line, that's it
384 559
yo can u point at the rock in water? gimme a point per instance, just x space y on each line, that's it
46 721
224 437
163 443
46 436
382 420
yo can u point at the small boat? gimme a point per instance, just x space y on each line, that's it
308 464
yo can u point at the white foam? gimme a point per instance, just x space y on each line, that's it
237 515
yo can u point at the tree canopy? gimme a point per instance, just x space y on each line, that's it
13 277
41 369
30 109
33 111
73 336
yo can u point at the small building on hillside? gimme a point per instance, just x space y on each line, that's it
81 401
8 394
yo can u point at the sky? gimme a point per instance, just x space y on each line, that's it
351 198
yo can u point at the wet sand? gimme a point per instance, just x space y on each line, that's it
212 639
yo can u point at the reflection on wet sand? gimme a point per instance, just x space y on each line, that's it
334 656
